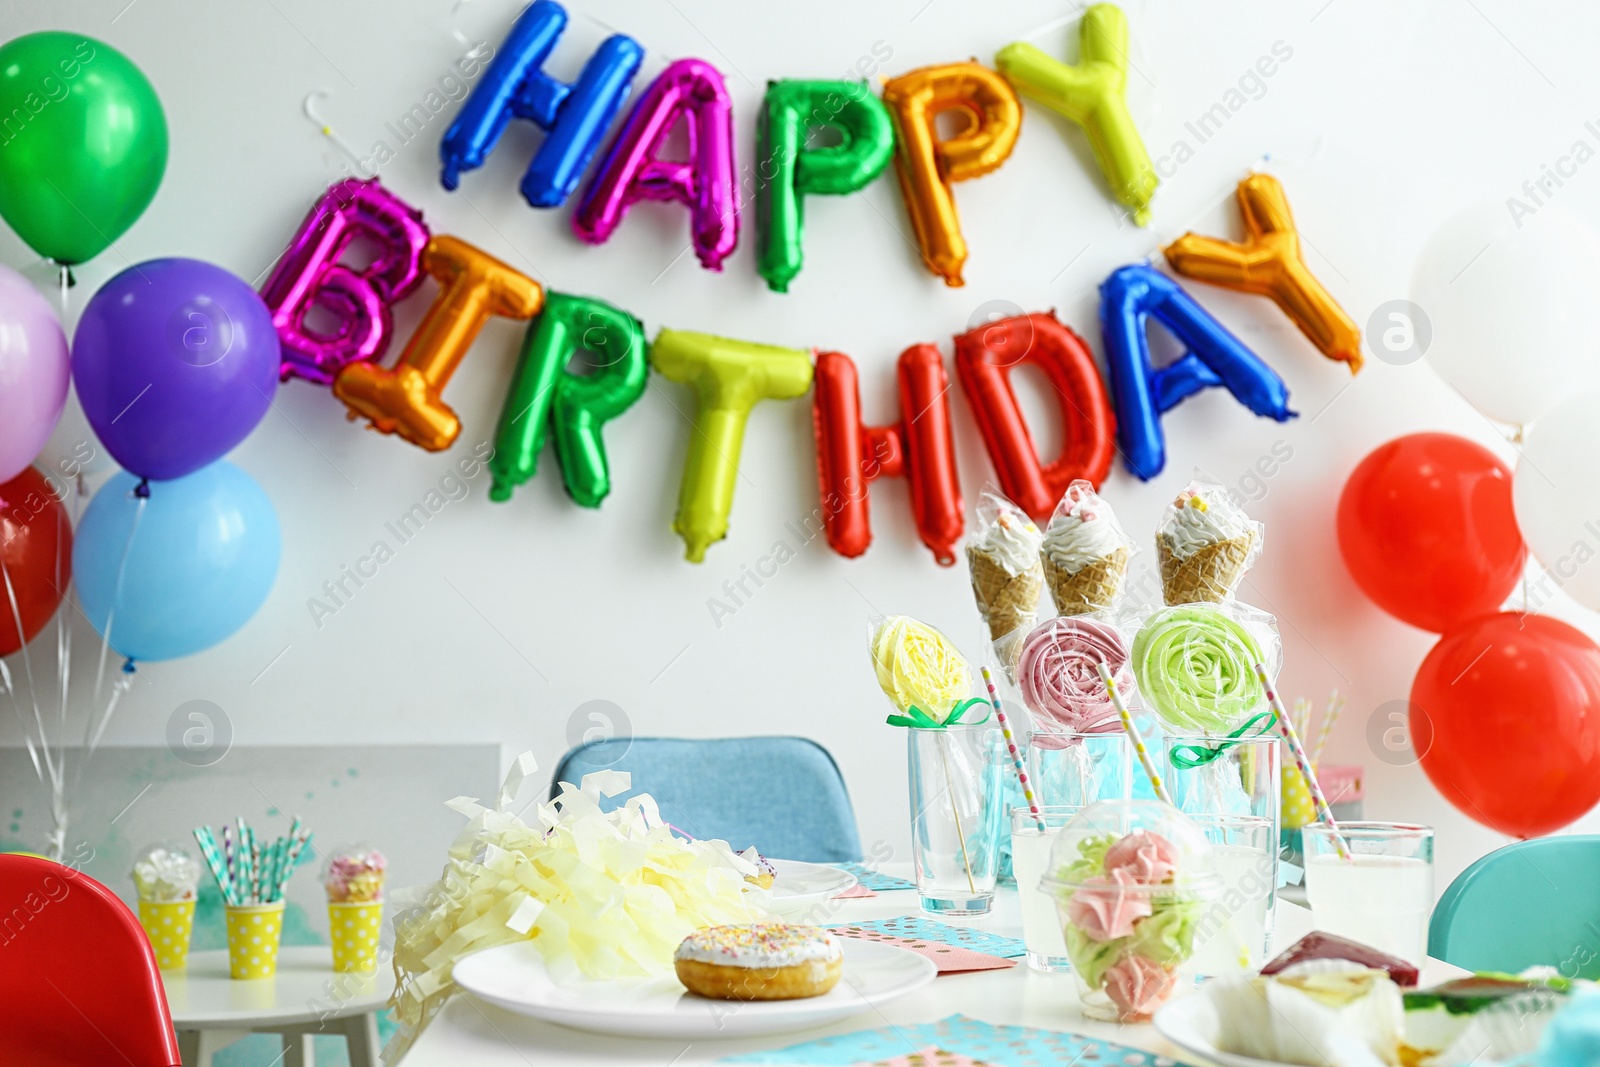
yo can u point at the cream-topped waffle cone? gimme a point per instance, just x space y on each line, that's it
1092 587
1007 601
1208 576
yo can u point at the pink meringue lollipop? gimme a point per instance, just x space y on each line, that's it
1060 684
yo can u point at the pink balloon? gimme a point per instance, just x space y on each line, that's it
693 90
34 372
310 275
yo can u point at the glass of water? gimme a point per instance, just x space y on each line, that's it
1382 895
1032 837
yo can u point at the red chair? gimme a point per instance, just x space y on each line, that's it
79 986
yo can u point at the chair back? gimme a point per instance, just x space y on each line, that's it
784 795
1529 903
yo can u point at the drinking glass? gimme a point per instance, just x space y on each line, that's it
1231 790
1076 769
957 815
1030 859
1382 895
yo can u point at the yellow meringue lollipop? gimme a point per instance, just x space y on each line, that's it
920 670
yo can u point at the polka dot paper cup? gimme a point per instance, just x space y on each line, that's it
354 929
253 934
168 924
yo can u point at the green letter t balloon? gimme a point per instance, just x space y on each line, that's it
83 143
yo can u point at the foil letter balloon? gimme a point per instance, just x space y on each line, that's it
1213 356
919 448
544 394
1093 94
574 117
405 399
310 275
985 358
928 166
1269 264
694 91
729 378
789 171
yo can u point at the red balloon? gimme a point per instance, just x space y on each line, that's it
1427 529
920 448
36 554
985 357
1505 715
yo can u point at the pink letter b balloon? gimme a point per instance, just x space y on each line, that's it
34 372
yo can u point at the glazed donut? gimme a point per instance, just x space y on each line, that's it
759 961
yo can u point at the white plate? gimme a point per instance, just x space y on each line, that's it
800 886
514 977
1191 1024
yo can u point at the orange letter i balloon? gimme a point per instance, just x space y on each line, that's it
405 399
1269 263
927 166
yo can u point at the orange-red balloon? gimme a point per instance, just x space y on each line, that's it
406 398
35 557
1505 716
927 166
1269 263
1427 529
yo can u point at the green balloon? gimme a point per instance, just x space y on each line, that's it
83 143
543 393
790 171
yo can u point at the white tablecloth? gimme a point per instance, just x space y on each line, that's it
468 1031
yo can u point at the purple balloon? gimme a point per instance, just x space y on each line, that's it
175 361
34 372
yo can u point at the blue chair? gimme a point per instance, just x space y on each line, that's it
1530 903
784 795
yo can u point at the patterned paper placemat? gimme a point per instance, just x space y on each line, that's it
977 1042
916 928
950 959
875 880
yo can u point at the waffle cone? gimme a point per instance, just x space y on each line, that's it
1092 587
1208 576
1006 601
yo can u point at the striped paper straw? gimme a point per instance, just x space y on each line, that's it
1324 812
1133 732
208 849
1011 747
1335 706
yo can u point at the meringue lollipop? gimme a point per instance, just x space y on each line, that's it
917 666
1057 673
1196 668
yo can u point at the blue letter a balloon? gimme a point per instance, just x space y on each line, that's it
175 572
1130 297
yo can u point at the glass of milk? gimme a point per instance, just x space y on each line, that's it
1383 894
1030 859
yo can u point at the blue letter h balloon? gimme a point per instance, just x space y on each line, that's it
574 117
1128 298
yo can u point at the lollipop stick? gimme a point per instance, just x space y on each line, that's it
1011 746
1133 732
1297 750
955 810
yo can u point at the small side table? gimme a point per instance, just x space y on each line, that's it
211 1011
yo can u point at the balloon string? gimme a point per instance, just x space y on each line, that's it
52 766
111 616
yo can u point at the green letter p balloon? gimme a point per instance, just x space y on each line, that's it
789 171
83 143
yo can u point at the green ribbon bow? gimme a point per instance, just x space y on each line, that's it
1188 757
918 719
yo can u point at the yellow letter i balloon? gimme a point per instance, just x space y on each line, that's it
1269 263
1094 95
729 378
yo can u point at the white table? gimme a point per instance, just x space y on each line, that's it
211 1011
469 1031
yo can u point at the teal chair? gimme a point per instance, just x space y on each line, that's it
784 795
1534 902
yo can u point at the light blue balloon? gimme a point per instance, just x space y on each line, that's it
201 559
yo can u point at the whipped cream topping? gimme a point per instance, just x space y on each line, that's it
1012 540
1201 516
759 945
1083 530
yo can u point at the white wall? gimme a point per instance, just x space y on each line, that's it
498 621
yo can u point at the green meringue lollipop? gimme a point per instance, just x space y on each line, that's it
1195 665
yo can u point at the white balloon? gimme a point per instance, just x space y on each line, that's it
1556 492
1514 306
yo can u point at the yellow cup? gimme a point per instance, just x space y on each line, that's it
167 924
253 934
354 928
1296 804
